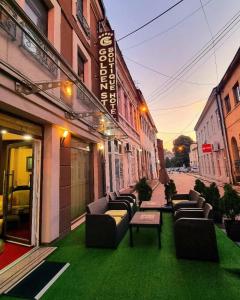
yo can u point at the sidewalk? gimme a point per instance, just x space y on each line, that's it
209 180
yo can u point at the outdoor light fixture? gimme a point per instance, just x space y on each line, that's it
64 135
100 146
27 137
67 87
3 131
143 108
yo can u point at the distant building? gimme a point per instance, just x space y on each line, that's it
193 157
229 100
211 146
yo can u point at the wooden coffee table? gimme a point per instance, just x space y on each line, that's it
146 219
152 205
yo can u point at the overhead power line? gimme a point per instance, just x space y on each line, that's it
168 29
177 107
197 57
150 21
156 102
212 37
165 75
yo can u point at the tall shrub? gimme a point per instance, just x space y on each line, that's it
230 202
144 190
200 187
212 196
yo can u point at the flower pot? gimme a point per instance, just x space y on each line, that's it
233 229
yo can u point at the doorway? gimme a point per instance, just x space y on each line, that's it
20 169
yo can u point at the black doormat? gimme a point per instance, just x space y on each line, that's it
37 282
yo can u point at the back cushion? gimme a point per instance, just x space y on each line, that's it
98 207
200 202
194 195
207 211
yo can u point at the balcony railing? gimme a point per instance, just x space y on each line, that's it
29 40
26 39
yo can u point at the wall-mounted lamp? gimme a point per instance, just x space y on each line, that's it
64 135
139 150
67 87
143 108
100 146
3 131
27 137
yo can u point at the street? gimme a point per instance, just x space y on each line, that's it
184 182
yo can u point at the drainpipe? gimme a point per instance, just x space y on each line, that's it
224 133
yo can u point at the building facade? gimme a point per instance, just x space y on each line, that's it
213 162
60 146
229 100
193 157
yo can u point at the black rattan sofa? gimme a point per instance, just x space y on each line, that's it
106 223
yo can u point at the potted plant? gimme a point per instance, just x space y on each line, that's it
212 196
144 190
170 190
230 205
200 187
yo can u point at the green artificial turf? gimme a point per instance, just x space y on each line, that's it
144 271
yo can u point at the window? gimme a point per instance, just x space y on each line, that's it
208 133
212 124
227 104
81 18
126 107
218 119
81 62
37 11
236 93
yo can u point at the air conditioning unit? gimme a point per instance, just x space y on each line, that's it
216 147
128 147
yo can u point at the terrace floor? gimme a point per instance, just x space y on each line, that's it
144 271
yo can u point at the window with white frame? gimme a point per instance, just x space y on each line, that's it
236 93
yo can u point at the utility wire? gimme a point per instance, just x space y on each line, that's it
203 52
204 48
164 75
168 29
177 107
203 62
184 130
212 37
149 22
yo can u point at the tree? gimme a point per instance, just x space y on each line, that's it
168 163
181 149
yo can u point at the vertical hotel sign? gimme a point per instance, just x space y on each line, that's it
107 72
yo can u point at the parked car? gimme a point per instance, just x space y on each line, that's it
194 169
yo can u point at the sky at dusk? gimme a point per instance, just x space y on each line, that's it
158 51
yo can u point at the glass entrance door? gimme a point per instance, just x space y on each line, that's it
80 178
18 192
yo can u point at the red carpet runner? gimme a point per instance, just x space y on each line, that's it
12 252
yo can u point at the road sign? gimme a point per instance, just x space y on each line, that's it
207 148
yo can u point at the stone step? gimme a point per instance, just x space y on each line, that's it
12 275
